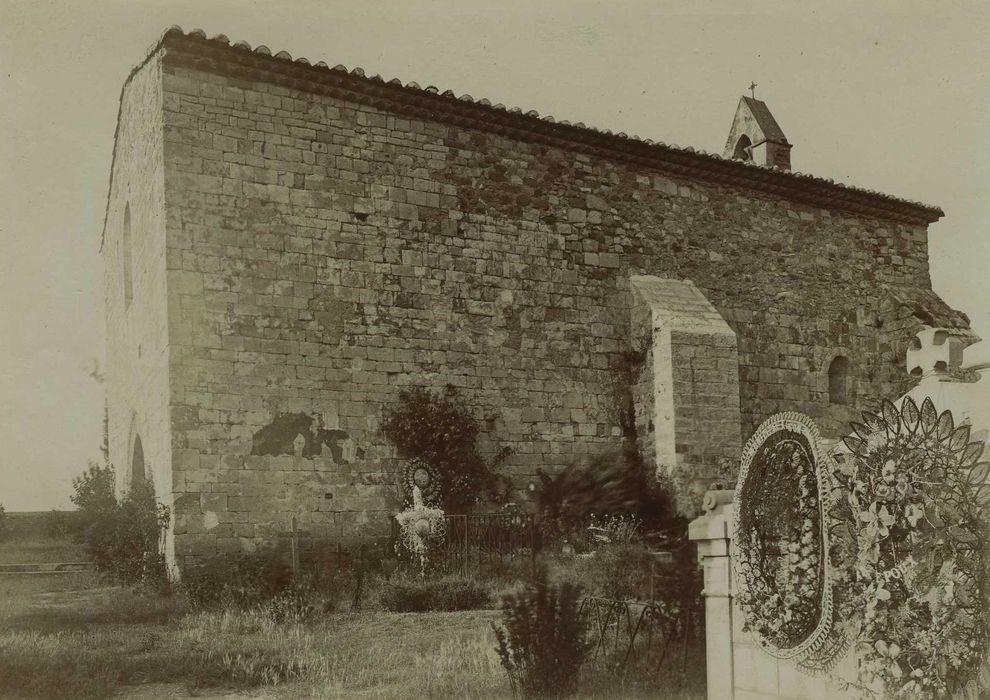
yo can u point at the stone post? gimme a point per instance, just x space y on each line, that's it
712 532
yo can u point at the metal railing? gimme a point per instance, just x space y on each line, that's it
645 637
474 539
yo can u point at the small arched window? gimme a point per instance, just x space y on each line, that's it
137 463
742 151
838 381
127 254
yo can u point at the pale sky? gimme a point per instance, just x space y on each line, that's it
891 96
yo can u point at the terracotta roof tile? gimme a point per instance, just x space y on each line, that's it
926 306
771 129
688 162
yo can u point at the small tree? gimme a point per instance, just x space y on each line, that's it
544 639
122 537
4 524
94 495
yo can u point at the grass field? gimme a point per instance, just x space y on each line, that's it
71 637
108 642
26 541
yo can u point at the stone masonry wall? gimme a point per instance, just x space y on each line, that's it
323 254
137 341
706 403
687 393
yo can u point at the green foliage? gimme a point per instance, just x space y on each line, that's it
610 484
445 594
60 525
632 571
617 571
440 430
94 495
123 537
543 641
239 581
327 579
369 558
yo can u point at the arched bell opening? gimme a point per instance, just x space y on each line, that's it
743 149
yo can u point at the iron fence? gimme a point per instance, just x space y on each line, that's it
647 638
479 539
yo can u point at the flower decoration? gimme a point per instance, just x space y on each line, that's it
420 528
422 475
781 541
911 553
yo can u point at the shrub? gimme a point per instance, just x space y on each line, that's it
240 581
615 529
368 558
407 596
439 430
298 603
60 525
610 484
94 495
507 568
122 537
4 524
543 642
617 571
446 594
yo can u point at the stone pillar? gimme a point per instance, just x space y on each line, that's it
712 533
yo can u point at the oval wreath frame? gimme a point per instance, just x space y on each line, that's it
418 472
819 647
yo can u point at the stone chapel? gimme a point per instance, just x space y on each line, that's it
288 244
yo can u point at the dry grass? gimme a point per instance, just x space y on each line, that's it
102 642
27 542
40 550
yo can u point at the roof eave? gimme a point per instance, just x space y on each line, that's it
210 54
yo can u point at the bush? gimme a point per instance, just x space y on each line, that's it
439 430
617 571
506 568
122 537
446 594
624 572
298 603
59 525
611 484
94 496
544 639
240 581
4 524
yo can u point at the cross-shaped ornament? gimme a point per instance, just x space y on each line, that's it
752 89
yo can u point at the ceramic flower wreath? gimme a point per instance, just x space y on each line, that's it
422 475
780 540
420 527
911 553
